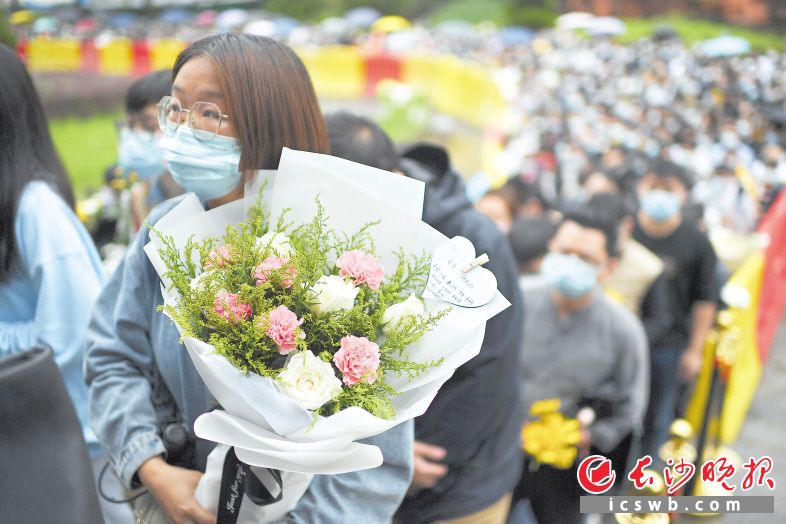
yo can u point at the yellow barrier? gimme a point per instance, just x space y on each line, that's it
163 53
115 57
460 89
337 71
746 371
59 55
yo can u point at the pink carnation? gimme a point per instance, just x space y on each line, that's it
263 271
358 360
228 307
362 268
218 257
283 326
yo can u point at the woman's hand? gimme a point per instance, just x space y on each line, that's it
174 488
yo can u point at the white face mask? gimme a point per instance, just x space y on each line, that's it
209 169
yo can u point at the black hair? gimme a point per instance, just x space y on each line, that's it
591 218
616 207
525 191
613 175
529 238
26 150
662 168
360 140
149 89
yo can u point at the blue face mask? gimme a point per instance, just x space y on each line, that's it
659 205
569 275
139 153
209 169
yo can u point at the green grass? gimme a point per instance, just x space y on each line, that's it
472 11
87 146
696 30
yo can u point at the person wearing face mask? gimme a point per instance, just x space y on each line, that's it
466 456
584 349
139 156
690 265
236 101
637 281
138 181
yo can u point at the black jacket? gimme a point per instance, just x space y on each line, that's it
476 414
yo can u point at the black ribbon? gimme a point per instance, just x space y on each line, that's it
238 481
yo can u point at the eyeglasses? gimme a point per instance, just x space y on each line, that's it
204 118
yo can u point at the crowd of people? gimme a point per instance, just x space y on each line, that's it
622 160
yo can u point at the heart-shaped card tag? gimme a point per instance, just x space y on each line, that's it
455 275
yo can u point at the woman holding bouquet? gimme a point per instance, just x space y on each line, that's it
236 101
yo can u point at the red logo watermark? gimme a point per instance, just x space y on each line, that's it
596 476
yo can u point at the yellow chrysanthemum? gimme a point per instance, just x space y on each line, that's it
551 438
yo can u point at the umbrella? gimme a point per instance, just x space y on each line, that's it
574 20
515 35
455 28
232 17
607 26
726 45
362 16
122 20
23 17
46 24
175 16
205 19
390 24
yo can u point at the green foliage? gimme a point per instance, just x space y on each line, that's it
203 272
472 11
314 10
87 146
534 14
692 30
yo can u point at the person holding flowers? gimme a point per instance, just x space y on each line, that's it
583 351
236 101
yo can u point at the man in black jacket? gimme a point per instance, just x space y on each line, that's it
467 445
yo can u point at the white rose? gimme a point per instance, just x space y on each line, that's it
309 381
198 283
279 243
331 293
397 314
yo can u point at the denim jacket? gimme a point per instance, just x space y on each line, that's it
139 375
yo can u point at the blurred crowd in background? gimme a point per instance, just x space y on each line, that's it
671 152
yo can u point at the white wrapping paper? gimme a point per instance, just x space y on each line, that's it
275 432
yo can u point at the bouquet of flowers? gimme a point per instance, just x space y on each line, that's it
551 438
319 315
